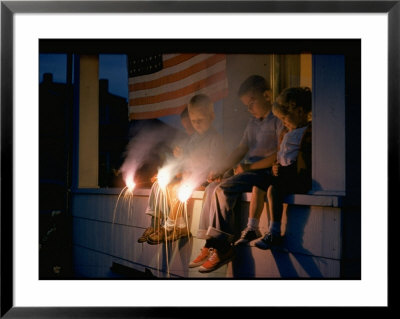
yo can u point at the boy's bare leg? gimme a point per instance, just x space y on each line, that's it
273 238
276 209
256 203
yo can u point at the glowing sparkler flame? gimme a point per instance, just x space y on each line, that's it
184 192
130 184
164 177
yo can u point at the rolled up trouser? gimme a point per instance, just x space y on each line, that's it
206 215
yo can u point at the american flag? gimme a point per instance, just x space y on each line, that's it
177 78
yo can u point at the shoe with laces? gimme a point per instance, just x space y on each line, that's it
247 236
201 258
269 241
145 235
216 260
158 236
178 233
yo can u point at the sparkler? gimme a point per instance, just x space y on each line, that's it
164 176
165 198
184 192
129 182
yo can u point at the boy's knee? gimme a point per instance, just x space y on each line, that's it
258 191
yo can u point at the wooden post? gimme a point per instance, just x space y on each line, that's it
306 70
89 121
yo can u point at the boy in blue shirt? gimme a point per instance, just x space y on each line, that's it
258 148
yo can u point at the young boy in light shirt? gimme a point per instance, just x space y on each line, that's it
204 150
292 170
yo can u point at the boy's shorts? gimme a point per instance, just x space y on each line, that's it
244 182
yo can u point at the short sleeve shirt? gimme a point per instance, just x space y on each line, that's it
290 146
261 136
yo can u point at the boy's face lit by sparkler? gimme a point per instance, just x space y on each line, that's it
187 124
201 119
258 104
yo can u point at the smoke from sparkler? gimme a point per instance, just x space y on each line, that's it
148 148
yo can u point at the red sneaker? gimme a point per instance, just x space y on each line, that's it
201 258
216 260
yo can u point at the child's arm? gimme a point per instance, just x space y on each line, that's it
264 163
235 157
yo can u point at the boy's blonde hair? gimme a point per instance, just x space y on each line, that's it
201 102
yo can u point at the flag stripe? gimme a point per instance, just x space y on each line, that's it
210 90
169 90
176 85
170 70
178 59
179 93
205 65
176 110
156 114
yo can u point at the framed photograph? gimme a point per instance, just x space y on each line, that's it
113 178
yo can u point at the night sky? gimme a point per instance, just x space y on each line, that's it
111 67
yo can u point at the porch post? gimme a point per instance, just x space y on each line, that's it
88 121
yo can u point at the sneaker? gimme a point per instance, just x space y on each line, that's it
178 233
268 241
201 258
247 236
145 235
158 236
216 260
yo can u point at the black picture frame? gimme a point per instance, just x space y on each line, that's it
9 8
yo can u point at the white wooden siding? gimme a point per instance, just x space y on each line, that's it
312 247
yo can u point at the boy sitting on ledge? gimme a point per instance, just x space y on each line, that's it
203 150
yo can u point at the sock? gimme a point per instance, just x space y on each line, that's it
252 223
169 224
181 223
209 243
275 228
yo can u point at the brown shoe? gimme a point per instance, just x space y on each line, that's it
178 233
145 235
158 236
